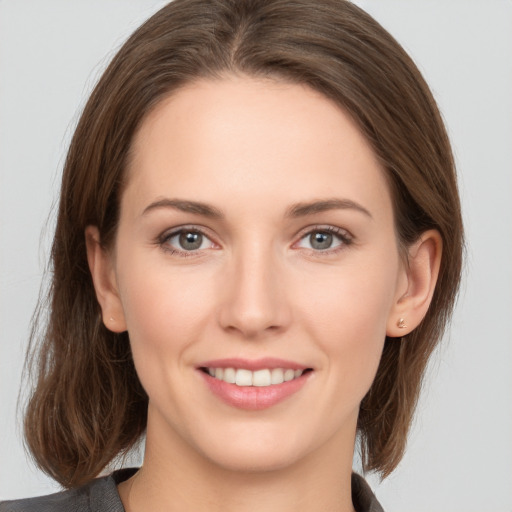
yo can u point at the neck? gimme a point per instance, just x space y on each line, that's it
174 477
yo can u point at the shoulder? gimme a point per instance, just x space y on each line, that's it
99 495
362 496
74 500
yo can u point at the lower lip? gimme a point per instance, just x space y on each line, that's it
254 398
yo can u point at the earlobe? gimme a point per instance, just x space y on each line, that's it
104 280
420 277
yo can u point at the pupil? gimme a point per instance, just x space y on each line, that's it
191 241
321 240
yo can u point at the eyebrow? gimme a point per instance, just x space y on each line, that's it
303 209
294 211
186 206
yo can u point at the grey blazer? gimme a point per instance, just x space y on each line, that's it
100 495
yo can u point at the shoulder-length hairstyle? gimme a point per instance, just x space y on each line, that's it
88 405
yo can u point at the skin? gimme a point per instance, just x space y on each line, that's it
256 287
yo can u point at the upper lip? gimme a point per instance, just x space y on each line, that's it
253 364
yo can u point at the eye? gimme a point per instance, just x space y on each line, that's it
325 239
185 240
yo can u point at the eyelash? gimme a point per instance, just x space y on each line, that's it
163 240
344 237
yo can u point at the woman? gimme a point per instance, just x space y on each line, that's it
258 248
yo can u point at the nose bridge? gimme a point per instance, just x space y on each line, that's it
254 298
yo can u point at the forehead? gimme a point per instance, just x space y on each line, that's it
252 139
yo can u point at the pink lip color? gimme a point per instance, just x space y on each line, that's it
252 364
253 398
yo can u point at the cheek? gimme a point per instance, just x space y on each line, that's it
165 312
347 315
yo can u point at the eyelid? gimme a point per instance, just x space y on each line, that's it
342 234
165 236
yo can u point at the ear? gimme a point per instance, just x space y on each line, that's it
104 280
416 284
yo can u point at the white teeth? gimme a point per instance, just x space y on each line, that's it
289 374
277 376
243 378
259 378
229 375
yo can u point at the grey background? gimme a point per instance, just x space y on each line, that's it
459 455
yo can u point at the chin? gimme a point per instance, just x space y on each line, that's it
250 459
252 450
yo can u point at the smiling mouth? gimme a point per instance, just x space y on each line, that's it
259 378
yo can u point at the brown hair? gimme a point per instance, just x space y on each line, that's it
88 405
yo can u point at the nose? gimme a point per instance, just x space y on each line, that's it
254 295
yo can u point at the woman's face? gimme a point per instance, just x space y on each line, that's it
256 236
